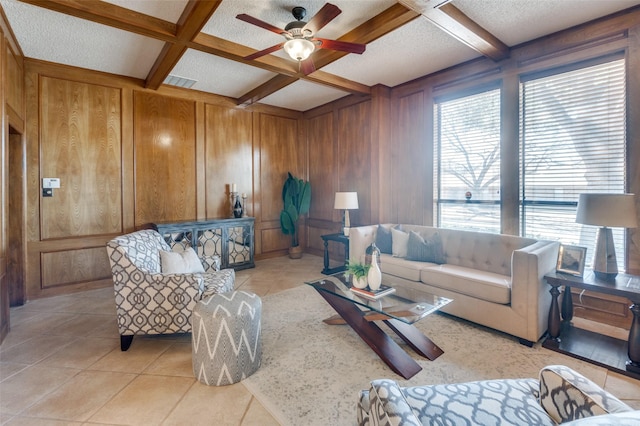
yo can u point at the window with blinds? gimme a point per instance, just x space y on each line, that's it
572 134
467 145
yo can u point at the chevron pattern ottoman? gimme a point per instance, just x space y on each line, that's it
226 341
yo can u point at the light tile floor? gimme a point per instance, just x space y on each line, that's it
61 364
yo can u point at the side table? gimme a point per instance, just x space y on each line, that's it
614 354
340 238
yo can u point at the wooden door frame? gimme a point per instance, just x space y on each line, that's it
16 217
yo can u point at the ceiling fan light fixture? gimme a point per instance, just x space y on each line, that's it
299 49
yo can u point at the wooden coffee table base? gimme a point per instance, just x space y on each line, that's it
388 350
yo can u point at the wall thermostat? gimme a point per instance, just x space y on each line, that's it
51 182
48 184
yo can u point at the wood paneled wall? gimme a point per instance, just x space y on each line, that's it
170 154
81 144
127 156
282 149
229 152
340 160
12 226
165 158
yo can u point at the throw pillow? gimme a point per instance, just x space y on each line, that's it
425 249
384 240
185 262
399 242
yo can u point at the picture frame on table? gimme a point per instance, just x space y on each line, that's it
571 260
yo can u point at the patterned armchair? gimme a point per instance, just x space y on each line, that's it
148 301
561 396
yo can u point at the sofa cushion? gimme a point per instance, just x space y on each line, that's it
400 240
384 241
483 285
425 249
403 268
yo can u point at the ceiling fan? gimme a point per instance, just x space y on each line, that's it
300 35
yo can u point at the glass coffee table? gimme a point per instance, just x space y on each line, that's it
399 313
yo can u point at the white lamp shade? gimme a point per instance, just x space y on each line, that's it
299 49
612 210
346 200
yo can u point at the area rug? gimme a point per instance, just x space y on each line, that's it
312 373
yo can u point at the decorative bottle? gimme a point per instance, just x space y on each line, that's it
374 277
237 208
368 254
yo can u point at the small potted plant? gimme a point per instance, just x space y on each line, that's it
359 272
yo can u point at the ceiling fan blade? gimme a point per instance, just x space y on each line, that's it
322 18
307 66
265 51
255 21
343 46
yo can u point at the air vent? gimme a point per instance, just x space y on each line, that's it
175 80
423 5
438 3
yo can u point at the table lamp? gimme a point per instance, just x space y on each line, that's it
606 210
346 201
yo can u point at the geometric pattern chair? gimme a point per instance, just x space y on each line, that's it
226 341
149 301
560 396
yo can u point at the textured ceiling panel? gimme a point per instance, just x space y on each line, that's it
169 10
418 49
219 75
55 37
302 95
515 22
278 13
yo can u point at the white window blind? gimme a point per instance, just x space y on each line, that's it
572 142
467 144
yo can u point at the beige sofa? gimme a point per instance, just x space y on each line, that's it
494 280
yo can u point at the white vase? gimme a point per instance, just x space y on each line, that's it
374 277
359 282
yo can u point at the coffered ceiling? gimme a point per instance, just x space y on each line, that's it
203 41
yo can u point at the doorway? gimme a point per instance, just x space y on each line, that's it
16 226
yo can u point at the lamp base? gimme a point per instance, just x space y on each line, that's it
605 265
346 223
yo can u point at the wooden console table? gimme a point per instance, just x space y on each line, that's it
340 238
231 239
614 354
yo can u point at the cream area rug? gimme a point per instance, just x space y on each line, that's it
312 373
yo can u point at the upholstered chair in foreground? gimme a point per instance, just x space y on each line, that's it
560 396
157 289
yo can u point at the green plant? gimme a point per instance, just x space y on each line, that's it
296 197
358 270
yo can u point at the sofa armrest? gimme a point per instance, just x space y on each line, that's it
567 395
530 295
165 300
217 282
360 238
388 406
